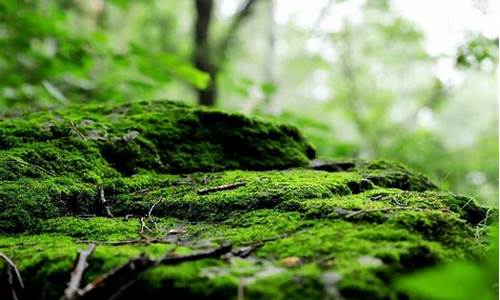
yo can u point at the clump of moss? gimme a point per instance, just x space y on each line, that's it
295 255
194 179
163 136
54 163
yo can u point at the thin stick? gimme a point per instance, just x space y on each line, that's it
223 187
21 161
245 251
151 210
173 260
73 290
121 277
143 226
104 286
241 289
363 211
15 283
77 131
153 206
127 242
104 202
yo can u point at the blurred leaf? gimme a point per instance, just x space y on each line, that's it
461 281
458 281
54 91
268 88
477 50
160 65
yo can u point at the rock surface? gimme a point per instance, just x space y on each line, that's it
167 180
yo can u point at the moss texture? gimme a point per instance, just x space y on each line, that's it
62 158
329 231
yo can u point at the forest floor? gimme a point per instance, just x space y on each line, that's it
159 198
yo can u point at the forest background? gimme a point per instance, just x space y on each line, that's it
412 81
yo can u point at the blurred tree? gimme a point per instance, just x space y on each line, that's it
478 52
367 87
57 52
354 75
207 55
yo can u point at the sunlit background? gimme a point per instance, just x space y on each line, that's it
413 81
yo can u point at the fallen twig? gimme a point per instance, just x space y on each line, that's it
75 130
248 248
15 285
128 216
104 202
245 251
384 209
173 260
153 206
127 242
143 226
85 216
22 161
223 187
118 279
73 290
332 166
106 285
241 289
150 217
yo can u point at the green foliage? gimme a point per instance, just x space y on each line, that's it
57 52
268 88
383 96
453 282
477 51
457 281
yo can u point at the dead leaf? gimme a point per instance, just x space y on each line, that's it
291 261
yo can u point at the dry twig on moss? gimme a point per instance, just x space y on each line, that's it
73 291
144 226
104 202
150 216
153 206
15 285
114 282
127 242
75 130
23 162
223 187
383 209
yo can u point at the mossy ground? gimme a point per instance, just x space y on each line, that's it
323 233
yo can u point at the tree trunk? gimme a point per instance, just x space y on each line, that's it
208 96
202 55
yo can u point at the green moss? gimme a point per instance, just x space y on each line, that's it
365 255
65 156
163 136
342 228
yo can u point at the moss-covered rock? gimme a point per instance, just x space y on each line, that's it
65 156
180 180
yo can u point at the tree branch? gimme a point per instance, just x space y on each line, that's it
119 279
105 203
223 187
15 285
72 292
238 19
202 56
